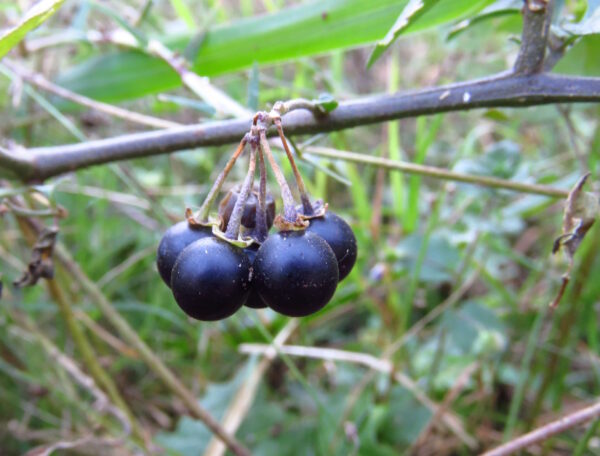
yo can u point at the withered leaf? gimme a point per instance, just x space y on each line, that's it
581 210
580 214
41 264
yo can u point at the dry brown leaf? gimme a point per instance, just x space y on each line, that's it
41 264
580 214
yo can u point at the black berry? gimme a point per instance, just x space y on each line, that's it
249 216
254 300
340 238
295 272
210 279
177 238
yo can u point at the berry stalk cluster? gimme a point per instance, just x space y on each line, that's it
215 264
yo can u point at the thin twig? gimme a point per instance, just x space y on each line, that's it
503 90
199 85
451 396
203 212
102 402
306 205
380 365
106 336
438 173
235 220
432 315
80 339
242 401
545 432
146 354
113 273
101 193
289 209
41 82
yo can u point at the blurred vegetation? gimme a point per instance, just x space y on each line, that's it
495 356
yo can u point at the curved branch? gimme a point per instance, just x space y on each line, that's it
504 90
13 164
543 433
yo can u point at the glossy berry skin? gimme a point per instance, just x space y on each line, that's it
295 272
254 300
210 279
177 238
340 238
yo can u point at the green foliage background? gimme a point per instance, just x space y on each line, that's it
420 240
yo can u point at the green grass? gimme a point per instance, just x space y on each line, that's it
417 245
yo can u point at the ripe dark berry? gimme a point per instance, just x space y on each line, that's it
177 238
295 272
210 279
254 300
249 216
340 238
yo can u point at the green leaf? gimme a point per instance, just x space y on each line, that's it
184 13
590 24
326 102
253 88
411 11
309 29
501 8
400 427
464 325
440 259
424 14
137 34
304 30
582 59
36 16
192 436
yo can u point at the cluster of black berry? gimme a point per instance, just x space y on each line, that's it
214 265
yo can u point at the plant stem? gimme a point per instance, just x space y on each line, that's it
233 227
525 374
146 354
89 356
545 432
500 90
289 210
214 191
582 445
563 324
261 215
82 343
438 173
41 82
306 206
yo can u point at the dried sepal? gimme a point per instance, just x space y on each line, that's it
319 210
241 241
282 224
194 221
581 210
41 265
